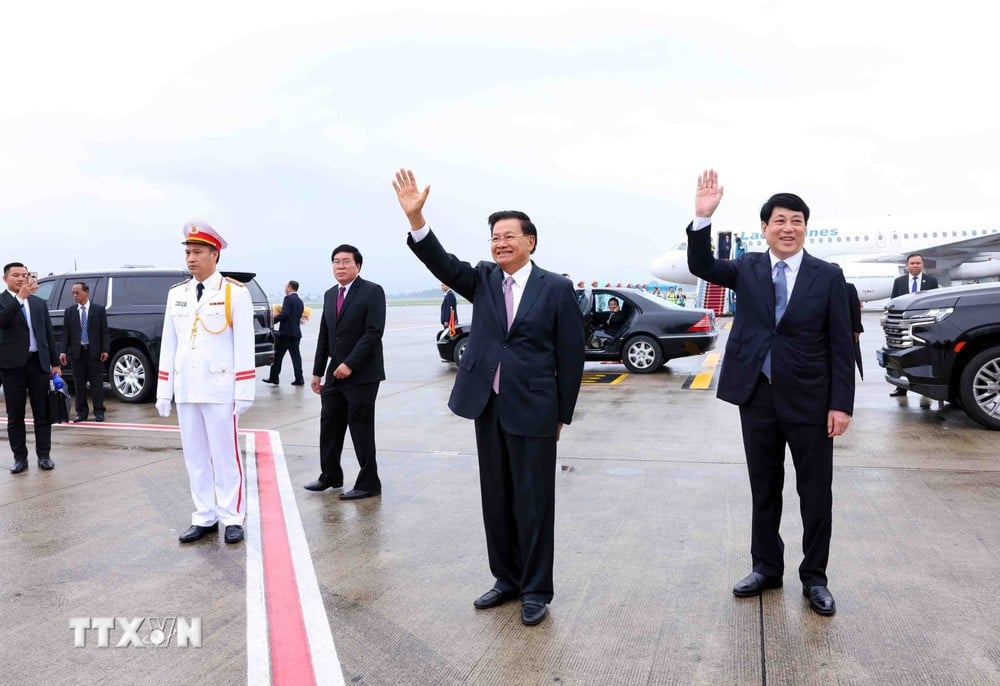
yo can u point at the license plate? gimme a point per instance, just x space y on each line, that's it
880 358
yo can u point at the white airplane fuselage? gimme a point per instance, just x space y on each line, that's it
870 258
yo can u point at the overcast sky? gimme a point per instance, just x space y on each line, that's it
282 123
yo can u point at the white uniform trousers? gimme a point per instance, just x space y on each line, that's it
214 465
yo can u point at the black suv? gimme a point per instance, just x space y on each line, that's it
945 344
136 299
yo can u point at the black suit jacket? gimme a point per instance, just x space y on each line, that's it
14 340
541 357
97 326
854 302
901 286
449 303
291 315
812 348
355 337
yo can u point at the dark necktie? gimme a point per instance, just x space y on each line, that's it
913 288
84 333
200 289
340 299
24 310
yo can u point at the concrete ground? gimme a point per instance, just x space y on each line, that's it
652 530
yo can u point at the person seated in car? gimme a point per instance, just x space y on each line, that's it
610 326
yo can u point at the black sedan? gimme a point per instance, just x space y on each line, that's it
647 332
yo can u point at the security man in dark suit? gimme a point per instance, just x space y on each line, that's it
914 281
448 305
87 348
28 359
789 365
288 335
350 339
518 379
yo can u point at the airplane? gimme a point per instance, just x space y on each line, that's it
871 255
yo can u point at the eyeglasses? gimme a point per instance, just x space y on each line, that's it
343 263
506 238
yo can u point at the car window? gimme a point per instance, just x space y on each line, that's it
45 291
65 294
143 290
256 292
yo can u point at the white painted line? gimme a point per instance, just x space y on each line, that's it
258 655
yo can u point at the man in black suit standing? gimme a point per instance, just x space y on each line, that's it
789 365
87 346
448 305
519 379
350 339
28 359
913 281
288 335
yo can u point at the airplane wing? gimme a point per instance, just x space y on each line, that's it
937 255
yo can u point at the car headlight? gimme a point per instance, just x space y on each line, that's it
932 315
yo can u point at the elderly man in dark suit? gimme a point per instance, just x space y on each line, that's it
914 281
519 380
789 365
350 339
28 359
86 345
288 336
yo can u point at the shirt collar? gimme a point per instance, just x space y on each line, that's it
793 263
521 275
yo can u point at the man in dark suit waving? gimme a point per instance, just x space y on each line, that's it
289 335
86 344
350 339
28 359
518 379
789 365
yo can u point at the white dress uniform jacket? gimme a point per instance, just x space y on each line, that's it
202 359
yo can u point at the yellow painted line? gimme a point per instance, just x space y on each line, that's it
703 379
621 377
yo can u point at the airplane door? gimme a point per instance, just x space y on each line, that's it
725 244
880 238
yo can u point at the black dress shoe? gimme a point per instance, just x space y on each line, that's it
46 463
898 393
19 466
234 533
820 600
754 583
274 381
298 383
99 417
320 485
358 494
79 418
195 532
492 598
533 613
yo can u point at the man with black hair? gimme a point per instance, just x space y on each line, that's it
288 335
789 366
350 340
519 380
28 359
86 344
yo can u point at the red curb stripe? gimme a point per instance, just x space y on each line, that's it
291 660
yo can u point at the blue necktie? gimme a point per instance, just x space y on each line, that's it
780 303
913 288
84 333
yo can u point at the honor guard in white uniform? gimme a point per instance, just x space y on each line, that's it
207 367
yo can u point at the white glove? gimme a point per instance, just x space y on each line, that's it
241 407
163 407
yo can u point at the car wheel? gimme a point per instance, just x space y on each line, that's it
131 374
642 355
979 388
459 350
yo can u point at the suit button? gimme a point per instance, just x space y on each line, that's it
505 345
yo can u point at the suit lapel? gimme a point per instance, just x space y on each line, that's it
804 279
762 271
532 289
496 295
349 298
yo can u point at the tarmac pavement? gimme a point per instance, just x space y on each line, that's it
652 530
